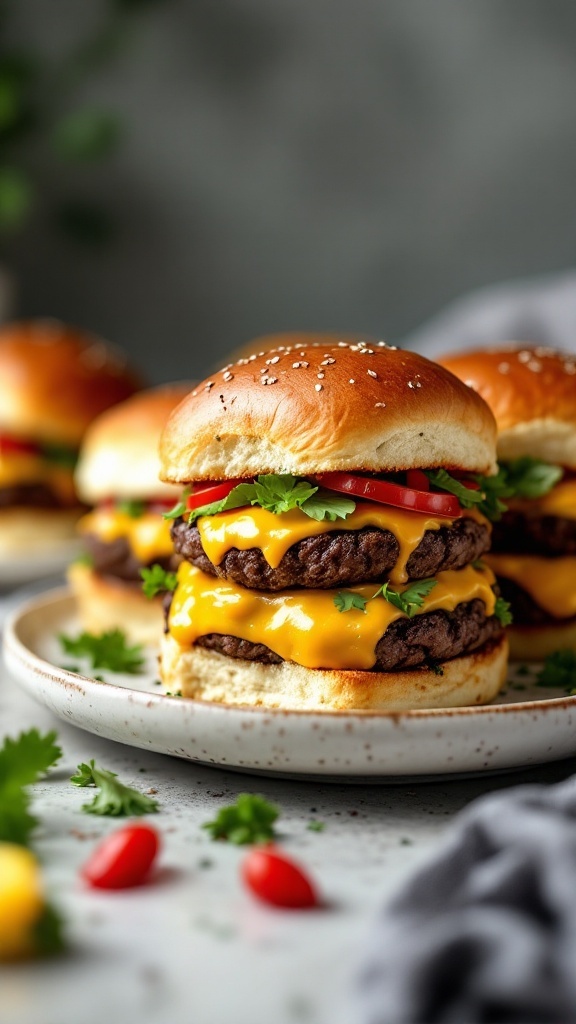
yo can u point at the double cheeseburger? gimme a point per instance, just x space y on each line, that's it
322 568
54 380
126 532
532 393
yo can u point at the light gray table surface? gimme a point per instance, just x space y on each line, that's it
194 946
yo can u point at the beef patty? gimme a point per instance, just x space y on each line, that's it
406 644
339 558
116 558
520 534
525 609
38 495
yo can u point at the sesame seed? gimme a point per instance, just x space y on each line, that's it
261 354
209 385
194 393
534 365
320 376
327 361
264 370
502 368
570 368
228 376
275 359
524 356
252 357
296 366
318 387
414 384
372 373
268 380
342 344
351 381
227 367
379 405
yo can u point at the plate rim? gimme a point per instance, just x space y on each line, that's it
62 595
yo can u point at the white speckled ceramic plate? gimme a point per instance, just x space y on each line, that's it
527 726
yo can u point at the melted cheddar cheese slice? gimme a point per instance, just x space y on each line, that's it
275 533
20 468
305 626
550 582
560 501
148 535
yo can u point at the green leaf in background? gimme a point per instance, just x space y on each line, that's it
250 820
86 135
16 198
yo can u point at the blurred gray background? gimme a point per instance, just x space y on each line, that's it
311 164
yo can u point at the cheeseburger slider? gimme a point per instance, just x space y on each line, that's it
54 380
127 540
326 565
532 393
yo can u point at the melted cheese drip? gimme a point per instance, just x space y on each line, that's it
148 535
305 626
275 534
20 468
551 582
560 501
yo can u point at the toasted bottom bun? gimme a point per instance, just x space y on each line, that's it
31 530
210 676
105 603
534 643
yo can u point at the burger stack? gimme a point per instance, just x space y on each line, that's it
332 533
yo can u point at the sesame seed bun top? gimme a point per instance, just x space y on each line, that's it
531 390
317 408
55 379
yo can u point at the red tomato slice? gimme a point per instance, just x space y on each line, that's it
123 859
13 444
206 493
276 879
392 494
418 480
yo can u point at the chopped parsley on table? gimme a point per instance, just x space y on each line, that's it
114 799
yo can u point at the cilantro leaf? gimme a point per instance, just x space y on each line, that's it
281 492
106 650
328 505
532 478
131 508
250 820
345 600
175 513
277 493
48 932
559 670
157 580
409 599
486 499
316 826
502 611
22 762
114 799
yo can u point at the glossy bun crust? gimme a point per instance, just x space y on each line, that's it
55 379
319 408
210 676
532 393
119 455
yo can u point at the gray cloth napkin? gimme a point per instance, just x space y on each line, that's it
540 310
485 931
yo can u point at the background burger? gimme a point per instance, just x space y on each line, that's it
325 562
54 380
127 540
532 393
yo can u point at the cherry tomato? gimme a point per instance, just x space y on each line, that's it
123 859
206 493
12 444
392 494
276 879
